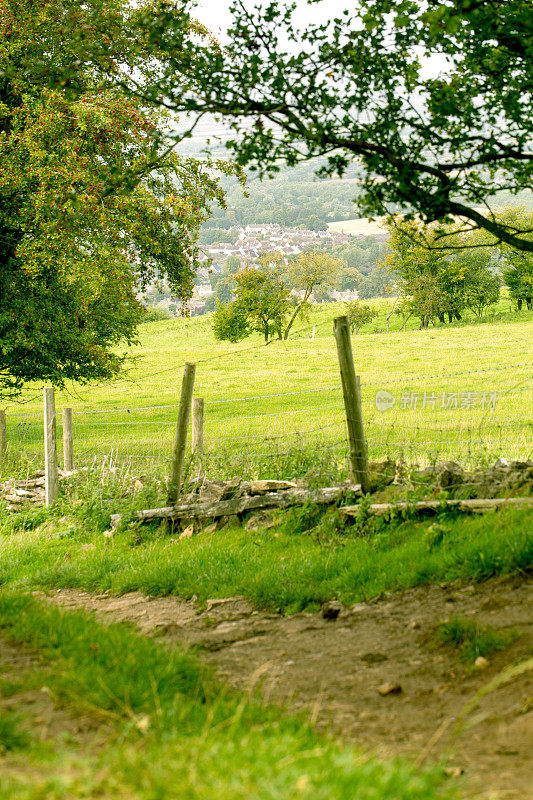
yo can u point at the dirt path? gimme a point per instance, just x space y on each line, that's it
334 668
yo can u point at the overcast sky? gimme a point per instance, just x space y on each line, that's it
215 13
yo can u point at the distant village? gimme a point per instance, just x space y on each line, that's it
250 243
253 240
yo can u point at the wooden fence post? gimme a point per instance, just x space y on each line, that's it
197 445
351 390
51 481
180 441
68 440
3 434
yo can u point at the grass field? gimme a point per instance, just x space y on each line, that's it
358 227
462 392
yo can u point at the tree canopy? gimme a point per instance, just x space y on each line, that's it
432 100
94 203
435 282
269 294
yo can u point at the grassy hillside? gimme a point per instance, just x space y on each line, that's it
276 409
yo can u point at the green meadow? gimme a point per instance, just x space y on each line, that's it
455 391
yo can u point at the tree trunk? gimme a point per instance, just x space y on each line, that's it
529 303
441 318
519 303
405 322
389 315
296 312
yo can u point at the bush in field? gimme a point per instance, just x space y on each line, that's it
152 314
358 314
230 322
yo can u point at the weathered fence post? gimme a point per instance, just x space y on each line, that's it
68 440
180 441
351 390
51 482
3 434
197 444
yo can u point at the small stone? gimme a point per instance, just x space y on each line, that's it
389 688
374 658
143 723
231 489
260 521
212 491
501 462
453 772
220 601
449 474
210 528
107 534
481 662
187 533
138 484
413 625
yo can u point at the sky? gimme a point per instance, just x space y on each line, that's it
215 13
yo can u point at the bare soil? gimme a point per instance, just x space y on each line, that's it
333 668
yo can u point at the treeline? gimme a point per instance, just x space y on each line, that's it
363 271
292 198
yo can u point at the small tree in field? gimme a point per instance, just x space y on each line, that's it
309 272
261 303
230 322
359 315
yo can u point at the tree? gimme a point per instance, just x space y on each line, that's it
349 279
435 282
264 298
376 284
517 268
93 203
359 314
306 273
261 303
230 322
437 141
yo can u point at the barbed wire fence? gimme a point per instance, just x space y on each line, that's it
472 416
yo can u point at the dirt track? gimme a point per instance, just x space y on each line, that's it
333 668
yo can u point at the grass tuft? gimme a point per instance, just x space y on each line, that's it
473 639
12 737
